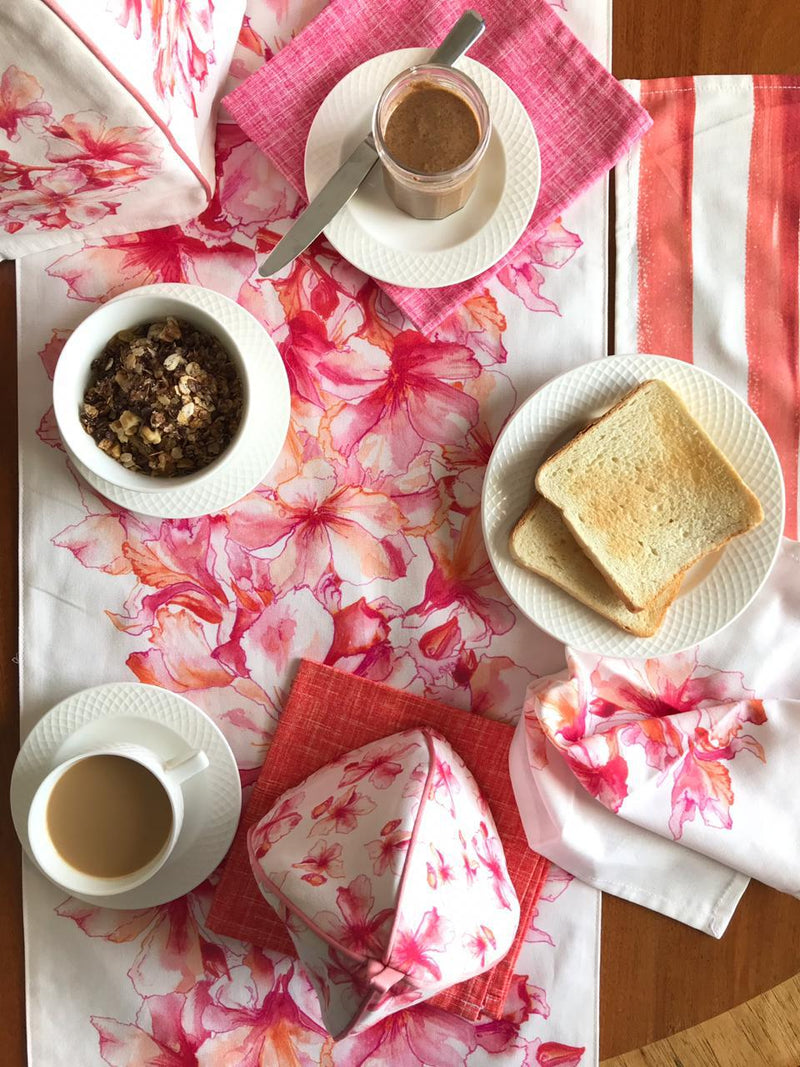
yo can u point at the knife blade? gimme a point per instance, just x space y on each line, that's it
345 182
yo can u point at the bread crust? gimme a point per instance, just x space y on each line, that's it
749 502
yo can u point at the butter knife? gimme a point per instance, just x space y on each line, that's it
344 183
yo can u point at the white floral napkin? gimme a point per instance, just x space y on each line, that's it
672 781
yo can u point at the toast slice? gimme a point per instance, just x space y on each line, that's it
646 493
541 542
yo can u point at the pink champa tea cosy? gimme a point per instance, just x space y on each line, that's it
388 871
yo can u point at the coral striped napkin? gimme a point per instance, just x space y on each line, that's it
327 714
708 207
584 119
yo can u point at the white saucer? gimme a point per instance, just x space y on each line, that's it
386 243
168 724
718 588
265 438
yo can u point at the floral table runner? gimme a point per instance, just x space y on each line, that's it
395 586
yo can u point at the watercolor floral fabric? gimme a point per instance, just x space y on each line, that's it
118 133
360 550
696 749
388 870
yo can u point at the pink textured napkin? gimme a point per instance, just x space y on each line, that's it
584 119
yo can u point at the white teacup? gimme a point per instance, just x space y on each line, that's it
170 774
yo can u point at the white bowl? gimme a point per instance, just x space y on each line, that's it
73 371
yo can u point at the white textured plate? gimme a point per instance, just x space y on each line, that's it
716 590
381 239
264 438
168 724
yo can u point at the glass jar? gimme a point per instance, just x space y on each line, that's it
431 195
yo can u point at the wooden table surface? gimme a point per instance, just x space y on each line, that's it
658 977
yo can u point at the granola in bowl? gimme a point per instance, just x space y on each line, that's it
164 399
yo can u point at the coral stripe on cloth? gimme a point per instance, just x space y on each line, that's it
327 714
584 120
664 230
771 292
708 209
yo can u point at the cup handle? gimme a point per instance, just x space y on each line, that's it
180 768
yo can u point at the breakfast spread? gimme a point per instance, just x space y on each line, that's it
630 504
163 399
431 129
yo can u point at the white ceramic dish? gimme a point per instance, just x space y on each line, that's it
714 592
386 243
169 725
88 340
261 437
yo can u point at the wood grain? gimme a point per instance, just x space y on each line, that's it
658 977
764 1032
12 1041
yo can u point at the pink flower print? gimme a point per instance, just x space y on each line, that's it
412 949
701 787
265 834
554 1054
356 927
490 854
175 944
444 785
324 527
554 247
480 943
322 862
442 641
85 137
340 816
380 768
660 687
115 264
601 770
302 351
469 866
478 324
416 781
523 1000
423 1037
402 397
358 628
182 33
64 197
461 580
443 868
268 1028
388 851
20 101
131 15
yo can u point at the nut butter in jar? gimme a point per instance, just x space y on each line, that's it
431 128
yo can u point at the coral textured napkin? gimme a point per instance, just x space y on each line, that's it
584 119
671 781
327 714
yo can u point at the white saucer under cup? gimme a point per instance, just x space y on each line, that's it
269 384
718 588
171 727
380 239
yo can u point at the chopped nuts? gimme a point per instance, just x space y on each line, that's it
164 399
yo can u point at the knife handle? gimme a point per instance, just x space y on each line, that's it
461 38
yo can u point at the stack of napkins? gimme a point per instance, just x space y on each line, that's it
629 505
